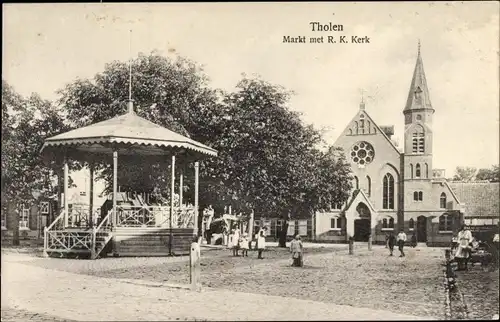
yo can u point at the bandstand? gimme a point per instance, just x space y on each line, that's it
129 225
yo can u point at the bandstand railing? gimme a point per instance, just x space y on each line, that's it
154 216
78 216
56 238
66 239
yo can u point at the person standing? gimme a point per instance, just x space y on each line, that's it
236 241
391 241
261 243
244 245
463 250
401 242
414 240
296 250
230 240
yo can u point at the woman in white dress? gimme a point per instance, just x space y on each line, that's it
261 242
230 242
463 250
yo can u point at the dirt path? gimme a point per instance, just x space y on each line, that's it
47 292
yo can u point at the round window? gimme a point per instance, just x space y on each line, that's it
362 153
419 117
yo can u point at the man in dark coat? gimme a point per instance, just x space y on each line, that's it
391 241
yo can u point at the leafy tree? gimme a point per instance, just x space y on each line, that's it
464 174
269 160
492 174
170 92
26 122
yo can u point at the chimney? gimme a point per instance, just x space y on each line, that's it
388 130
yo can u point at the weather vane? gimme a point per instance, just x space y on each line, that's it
130 67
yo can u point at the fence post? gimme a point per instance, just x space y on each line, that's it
45 242
93 244
351 245
194 265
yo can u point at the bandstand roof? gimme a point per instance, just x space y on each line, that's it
129 134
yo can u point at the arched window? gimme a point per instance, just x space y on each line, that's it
388 223
415 196
362 126
356 127
356 182
417 171
411 224
446 223
411 170
418 140
388 192
369 182
418 196
426 170
350 131
442 201
368 127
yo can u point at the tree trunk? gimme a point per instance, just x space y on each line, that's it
15 227
283 233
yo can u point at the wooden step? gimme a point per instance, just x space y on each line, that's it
79 251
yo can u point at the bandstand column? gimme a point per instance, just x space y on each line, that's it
66 210
171 215
196 193
114 219
91 196
181 186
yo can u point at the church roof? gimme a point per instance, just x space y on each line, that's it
418 95
129 129
480 198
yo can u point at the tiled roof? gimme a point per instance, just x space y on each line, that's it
128 128
481 198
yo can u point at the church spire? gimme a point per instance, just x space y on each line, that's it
418 96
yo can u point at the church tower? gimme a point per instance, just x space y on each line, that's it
418 114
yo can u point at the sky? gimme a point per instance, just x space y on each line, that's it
46 46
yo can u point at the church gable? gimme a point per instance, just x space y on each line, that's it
362 127
361 124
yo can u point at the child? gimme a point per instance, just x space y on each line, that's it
244 245
414 240
391 241
296 250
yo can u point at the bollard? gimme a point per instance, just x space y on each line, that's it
45 242
370 242
194 266
351 245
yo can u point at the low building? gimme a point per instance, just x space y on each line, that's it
482 212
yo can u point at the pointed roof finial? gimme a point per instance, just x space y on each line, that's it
130 102
419 47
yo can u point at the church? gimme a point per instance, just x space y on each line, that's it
393 190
